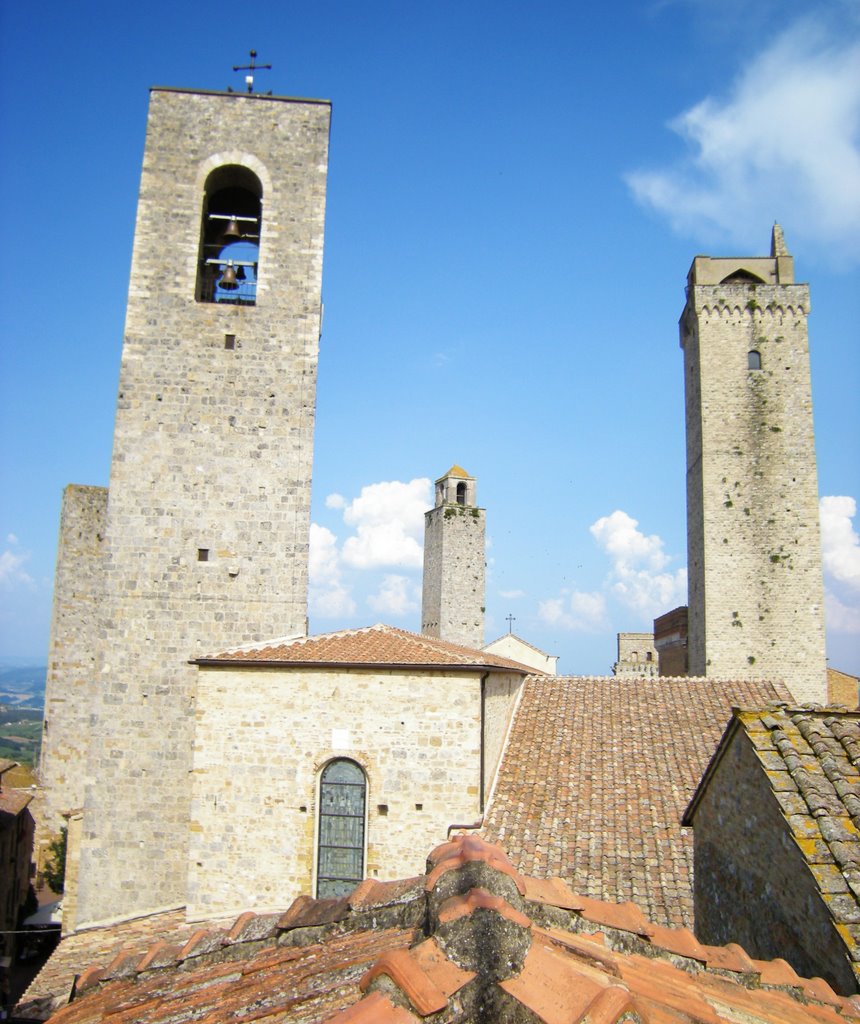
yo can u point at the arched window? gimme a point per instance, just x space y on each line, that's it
753 360
742 276
461 493
340 860
230 237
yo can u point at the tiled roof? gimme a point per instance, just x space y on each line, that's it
455 471
473 940
597 774
812 761
13 801
519 640
377 645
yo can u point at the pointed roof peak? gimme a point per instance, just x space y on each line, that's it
456 471
777 242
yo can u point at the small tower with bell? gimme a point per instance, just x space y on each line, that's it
452 607
204 538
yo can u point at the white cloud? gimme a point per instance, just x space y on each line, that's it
650 594
11 573
11 539
619 537
840 554
333 603
638 579
510 595
323 560
840 545
578 611
328 596
784 143
386 522
840 618
397 595
389 524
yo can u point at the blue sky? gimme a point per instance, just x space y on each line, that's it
516 193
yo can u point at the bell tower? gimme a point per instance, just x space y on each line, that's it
753 536
452 605
207 521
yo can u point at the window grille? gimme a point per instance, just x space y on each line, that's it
340 861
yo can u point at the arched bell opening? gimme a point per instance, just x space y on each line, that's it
742 276
230 237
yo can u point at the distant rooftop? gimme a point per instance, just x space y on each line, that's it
373 646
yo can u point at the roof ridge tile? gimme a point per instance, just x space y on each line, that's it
407 974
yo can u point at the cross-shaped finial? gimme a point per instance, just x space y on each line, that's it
511 620
252 67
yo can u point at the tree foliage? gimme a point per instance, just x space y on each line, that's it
55 866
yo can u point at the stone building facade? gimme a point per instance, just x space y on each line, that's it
207 520
753 540
776 841
452 605
70 687
422 721
637 656
17 829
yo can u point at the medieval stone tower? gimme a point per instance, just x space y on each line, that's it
205 534
753 539
452 605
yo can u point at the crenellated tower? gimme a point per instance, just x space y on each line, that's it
753 536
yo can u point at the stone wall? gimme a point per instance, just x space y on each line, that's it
263 737
754 551
842 688
752 885
70 687
637 656
452 606
207 527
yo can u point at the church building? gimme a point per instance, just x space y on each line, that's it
209 756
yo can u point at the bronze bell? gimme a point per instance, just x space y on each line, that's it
233 230
228 278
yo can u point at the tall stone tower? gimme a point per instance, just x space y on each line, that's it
753 538
452 605
207 522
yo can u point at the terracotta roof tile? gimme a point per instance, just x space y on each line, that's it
13 801
375 1009
464 849
479 899
377 645
361 971
596 776
408 975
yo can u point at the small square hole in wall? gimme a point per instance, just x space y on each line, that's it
304 809
382 808
203 554
419 807
229 341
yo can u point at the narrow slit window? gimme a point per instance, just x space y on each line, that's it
340 855
230 237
